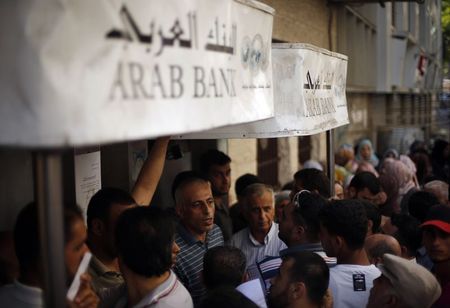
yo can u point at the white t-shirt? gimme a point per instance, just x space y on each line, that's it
17 295
350 284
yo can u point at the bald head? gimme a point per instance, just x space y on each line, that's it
378 244
439 189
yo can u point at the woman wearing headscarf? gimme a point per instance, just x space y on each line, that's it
405 179
366 153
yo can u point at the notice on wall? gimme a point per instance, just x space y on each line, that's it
309 96
89 72
137 154
87 177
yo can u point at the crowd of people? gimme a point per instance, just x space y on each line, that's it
381 240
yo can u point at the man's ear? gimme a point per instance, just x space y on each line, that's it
381 198
246 277
179 210
297 290
299 232
339 242
404 251
97 227
351 192
369 227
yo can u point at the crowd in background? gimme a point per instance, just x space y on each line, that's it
381 240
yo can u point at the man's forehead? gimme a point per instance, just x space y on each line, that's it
216 167
257 200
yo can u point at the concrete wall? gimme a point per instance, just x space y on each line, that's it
243 153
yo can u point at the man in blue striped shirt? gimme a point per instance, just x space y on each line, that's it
196 231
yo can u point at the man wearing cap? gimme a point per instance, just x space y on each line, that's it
436 239
403 284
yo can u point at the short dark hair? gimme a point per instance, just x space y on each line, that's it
348 219
223 265
408 233
243 181
307 213
226 297
373 214
313 179
367 180
213 157
144 239
102 201
183 177
26 233
311 269
420 202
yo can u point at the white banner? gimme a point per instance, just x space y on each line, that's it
309 96
80 72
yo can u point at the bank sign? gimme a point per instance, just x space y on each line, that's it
82 72
309 95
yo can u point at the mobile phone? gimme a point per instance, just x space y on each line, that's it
82 268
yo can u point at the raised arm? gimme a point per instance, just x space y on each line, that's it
151 171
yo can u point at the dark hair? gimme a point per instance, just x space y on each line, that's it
144 239
313 179
184 177
226 297
307 213
223 265
348 219
26 233
408 233
243 181
373 214
420 202
213 157
72 213
367 180
311 269
101 202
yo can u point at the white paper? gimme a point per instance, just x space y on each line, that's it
87 177
253 290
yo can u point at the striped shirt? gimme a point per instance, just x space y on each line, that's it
189 264
253 250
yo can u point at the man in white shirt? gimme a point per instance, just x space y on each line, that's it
260 239
343 228
145 245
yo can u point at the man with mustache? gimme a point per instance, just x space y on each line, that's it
260 239
196 231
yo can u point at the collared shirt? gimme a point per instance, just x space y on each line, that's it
253 250
102 276
189 264
313 247
18 295
170 294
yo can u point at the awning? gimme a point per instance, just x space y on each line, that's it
309 96
75 73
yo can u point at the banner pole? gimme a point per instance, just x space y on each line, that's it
330 159
48 196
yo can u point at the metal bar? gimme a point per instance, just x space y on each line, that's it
48 196
330 159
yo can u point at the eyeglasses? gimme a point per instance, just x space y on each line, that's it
295 199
